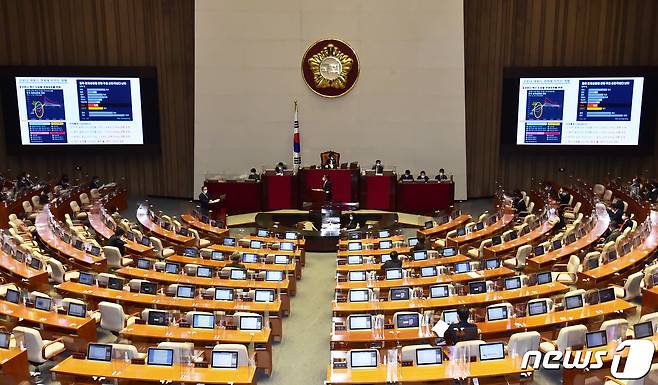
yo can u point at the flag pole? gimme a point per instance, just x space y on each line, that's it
296 146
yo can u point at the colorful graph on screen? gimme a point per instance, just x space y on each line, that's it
45 104
545 104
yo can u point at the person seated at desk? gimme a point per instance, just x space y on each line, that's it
235 261
563 197
462 330
64 182
636 187
378 167
331 162
278 171
441 176
253 175
116 241
43 197
517 202
421 244
423 177
617 229
95 183
282 166
407 177
393 263
616 212
205 201
352 224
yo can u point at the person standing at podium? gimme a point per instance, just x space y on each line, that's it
205 201
326 187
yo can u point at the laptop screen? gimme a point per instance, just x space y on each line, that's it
360 322
384 234
420 255
224 359
643 329
12 296
77 310
493 351
5 338
428 356
255 244
291 236
223 294
204 271
428 271
354 259
264 295
238 274
158 318
286 246
439 291
249 258
450 316
99 352
394 274
462 267
86 278
203 321
172 268
359 295
42 303
184 291
385 244
537 308
497 313
477 287
491 264
251 323
354 246
162 357
596 339
544 277
115 283
357 275
408 320
262 233
512 283
228 241
148 287
573 302
399 294
217 256
281 259
274 275
363 359
606 295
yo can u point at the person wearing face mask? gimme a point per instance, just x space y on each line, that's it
441 176
423 177
378 167
352 223
205 201
407 177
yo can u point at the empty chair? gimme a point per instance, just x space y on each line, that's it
408 353
95 194
29 213
200 242
126 351
58 273
84 199
190 268
570 275
483 216
103 278
615 329
526 220
607 195
478 252
183 351
569 337
35 202
632 287
113 317
135 284
38 350
161 251
243 354
114 258
521 343
598 189
591 260
519 261
571 214
443 242
468 349
77 211
67 301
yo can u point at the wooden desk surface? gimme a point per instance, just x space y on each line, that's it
474 236
471 301
444 228
178 373
636 256
428 281
51 318
96 221
66 249
176 333
219 264
446 372
511 246
366 252
171 236
35 278
542 321
297 242
371 241
407 264
153 275
415 335
550 258
229 249
205 227
162 301
13 366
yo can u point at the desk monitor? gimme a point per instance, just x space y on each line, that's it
148 287
461 231
479 226
274 275
393 273
625 249
286 246
607 295
19 256
360 322
384 234
6 247
172 268
130 236
224 359
462 267
78 244
86 278
166 225
281 260
354 259
525 230
249 258
143 264
238 274
351 246
450 316
429 224
556 244
255 244
399 294
291 236
411 320
264 295
359 275
12 296
428 271
228 241
184 232
95 251
217 256
158 318
573 302
77 310
251 322
544 277
42 303
571 238
596 339
512 236
536 308
145 241
185 291
581 231
385 245
420 255
497 313
203 321
412 242
36 263
592 263
223 294
204 271
497 240
99 352
643 329
160 357
611 255
492 263
353 235
429 356
493 351
115 283
363 359
385 257
449 251
262 233
477 287
439 291
539 250
359 295
637 241
512 283
5 338
190 252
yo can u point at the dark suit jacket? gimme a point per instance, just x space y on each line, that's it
461 331
118 243
378 169
441 177
204 201
406 177
326 187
